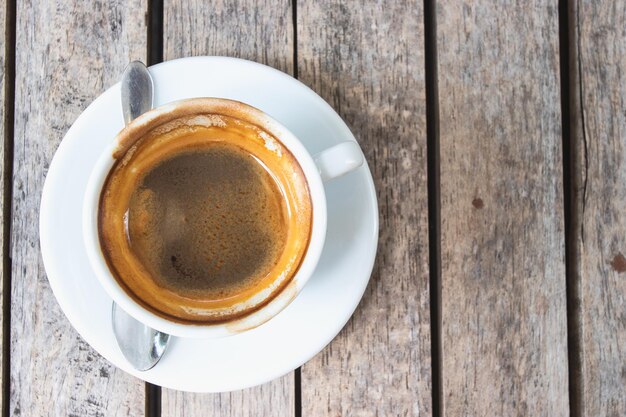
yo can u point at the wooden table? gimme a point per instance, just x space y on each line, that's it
496 135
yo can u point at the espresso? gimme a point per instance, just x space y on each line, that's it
204 217
212 220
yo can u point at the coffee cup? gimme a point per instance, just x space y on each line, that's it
206 217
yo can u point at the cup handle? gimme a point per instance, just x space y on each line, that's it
339 160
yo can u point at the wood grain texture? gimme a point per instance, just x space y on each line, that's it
504 334
367 60
258 30
262 31
272 399
599 193
67 53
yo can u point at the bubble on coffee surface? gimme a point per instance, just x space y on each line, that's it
208 220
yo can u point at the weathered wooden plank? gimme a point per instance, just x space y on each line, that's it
258 30
262 31
504 335
599 163
367 61
272 399
67 53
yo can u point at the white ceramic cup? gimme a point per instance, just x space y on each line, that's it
326 165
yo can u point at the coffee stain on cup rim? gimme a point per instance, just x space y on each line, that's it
266 312
194 110
270 143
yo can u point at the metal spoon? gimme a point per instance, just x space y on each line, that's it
141 345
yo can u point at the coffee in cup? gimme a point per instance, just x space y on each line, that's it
205 215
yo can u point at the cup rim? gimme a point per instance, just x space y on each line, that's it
148 121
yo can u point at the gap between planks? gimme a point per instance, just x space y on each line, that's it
571 216
7 197
297 373
155 56
434 198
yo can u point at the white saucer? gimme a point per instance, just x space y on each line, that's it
300 331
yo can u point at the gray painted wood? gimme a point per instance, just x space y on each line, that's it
67 54
599 161
261 31
504 329
367 61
